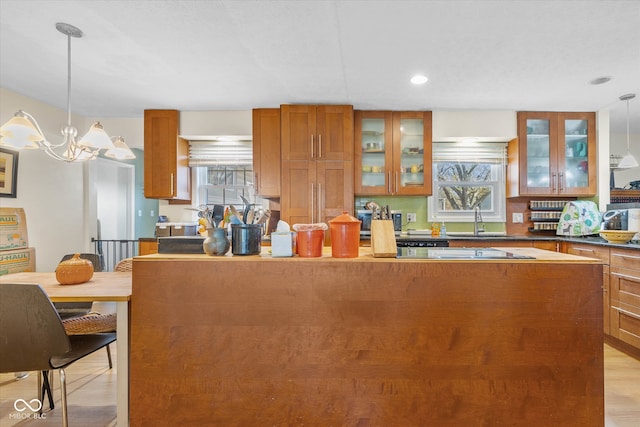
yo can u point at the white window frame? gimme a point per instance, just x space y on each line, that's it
202 185
496 212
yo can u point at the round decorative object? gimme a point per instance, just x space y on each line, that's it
216 242
617 236
74 271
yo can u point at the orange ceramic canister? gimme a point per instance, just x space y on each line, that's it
309 243
345 236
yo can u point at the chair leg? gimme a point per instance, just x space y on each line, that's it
109 356
40 390
45 388
63 392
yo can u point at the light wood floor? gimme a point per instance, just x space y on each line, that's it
91 387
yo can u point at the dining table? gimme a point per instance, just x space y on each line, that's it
104 287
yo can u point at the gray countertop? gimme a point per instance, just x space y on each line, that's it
594 240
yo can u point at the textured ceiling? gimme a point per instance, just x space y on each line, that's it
238 55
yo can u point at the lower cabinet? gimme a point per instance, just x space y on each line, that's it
625 296
601 253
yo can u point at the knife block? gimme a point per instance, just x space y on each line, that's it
383 239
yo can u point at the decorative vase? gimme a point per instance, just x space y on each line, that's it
216 242
74 271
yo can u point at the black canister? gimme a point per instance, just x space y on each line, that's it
245 239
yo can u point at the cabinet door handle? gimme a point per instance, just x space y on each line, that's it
561 181
319 146
627 256
313 198
584 250
553 181
319 202
312 146
389 181
172 193
628 313
397 181
256 185
626 276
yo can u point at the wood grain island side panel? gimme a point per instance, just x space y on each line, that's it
218 341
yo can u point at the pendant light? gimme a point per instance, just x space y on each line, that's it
23 131
628 161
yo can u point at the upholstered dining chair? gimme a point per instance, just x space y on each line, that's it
32 337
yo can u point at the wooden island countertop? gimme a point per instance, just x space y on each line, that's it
256 340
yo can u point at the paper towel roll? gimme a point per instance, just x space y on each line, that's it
633 222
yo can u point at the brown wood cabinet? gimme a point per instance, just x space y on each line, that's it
365 342
393 153
317 162
555 155
625 296
266 152
167 174
601 253
146 247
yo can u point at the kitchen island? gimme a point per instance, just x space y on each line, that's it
256 341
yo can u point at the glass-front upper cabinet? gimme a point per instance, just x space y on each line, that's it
393 153
577 168
373 151
557 153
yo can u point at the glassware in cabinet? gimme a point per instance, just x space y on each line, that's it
393 153
556 155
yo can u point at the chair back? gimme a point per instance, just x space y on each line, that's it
96 260
124 265
31 331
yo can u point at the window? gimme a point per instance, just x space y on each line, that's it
466 176
222 169
223 185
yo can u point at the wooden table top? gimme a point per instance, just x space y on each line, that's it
103 286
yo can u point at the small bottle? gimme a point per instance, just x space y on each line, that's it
443 229
435 229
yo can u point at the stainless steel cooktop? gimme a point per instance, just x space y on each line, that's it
457 253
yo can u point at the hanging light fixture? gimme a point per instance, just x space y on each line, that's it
628 161
23 131
120 150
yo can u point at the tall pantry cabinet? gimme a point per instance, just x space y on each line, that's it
317 162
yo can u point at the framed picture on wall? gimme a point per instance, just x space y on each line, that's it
8 173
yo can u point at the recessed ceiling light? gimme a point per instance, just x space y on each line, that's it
419 79
600 80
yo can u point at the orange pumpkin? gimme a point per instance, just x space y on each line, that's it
74 271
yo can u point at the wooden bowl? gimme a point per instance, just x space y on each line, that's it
617 236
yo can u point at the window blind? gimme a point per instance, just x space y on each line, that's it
223 152
480 152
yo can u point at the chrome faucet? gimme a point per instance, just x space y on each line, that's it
477 220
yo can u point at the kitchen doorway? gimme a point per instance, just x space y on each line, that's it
114 200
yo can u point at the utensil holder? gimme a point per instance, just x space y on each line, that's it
246 239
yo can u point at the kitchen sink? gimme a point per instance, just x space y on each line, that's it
480 235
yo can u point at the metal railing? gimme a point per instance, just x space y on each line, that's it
113 251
